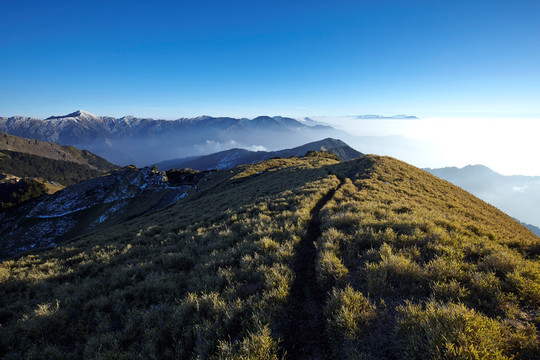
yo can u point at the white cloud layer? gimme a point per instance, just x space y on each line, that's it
508 146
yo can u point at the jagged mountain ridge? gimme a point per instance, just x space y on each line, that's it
144 141
232 158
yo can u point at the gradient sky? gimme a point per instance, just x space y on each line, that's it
171 59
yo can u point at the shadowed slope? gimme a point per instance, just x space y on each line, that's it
54 152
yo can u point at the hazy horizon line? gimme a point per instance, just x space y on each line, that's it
384 115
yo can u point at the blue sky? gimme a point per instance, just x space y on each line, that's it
170 59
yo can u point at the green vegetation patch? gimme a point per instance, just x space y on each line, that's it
14 193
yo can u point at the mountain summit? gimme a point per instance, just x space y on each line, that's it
77 114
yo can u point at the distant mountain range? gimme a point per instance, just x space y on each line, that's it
143 141
232 158
371 116
519 196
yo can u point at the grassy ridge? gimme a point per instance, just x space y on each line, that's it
416 267
53 151
209 276
410 266
15 193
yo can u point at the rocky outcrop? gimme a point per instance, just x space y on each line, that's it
87 206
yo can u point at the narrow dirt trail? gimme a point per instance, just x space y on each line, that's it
305 336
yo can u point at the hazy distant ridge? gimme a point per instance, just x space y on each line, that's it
143 141
229 159
517 195
371 116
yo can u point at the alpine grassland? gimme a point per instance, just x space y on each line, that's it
405 265
415 267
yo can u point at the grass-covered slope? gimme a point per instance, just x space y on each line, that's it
209 275
54 152
43 175
417 268
15 192
406 266
44 167
60 171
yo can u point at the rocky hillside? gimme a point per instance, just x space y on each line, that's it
89 205
296 258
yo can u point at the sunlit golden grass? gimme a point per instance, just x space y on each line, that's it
410 265
461 267
206 277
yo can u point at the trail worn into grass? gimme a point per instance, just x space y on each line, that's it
305 336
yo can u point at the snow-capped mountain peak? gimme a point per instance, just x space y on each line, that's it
79 114
83 115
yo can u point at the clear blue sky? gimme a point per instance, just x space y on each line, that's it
169 59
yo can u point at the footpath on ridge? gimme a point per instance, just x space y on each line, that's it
305 336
